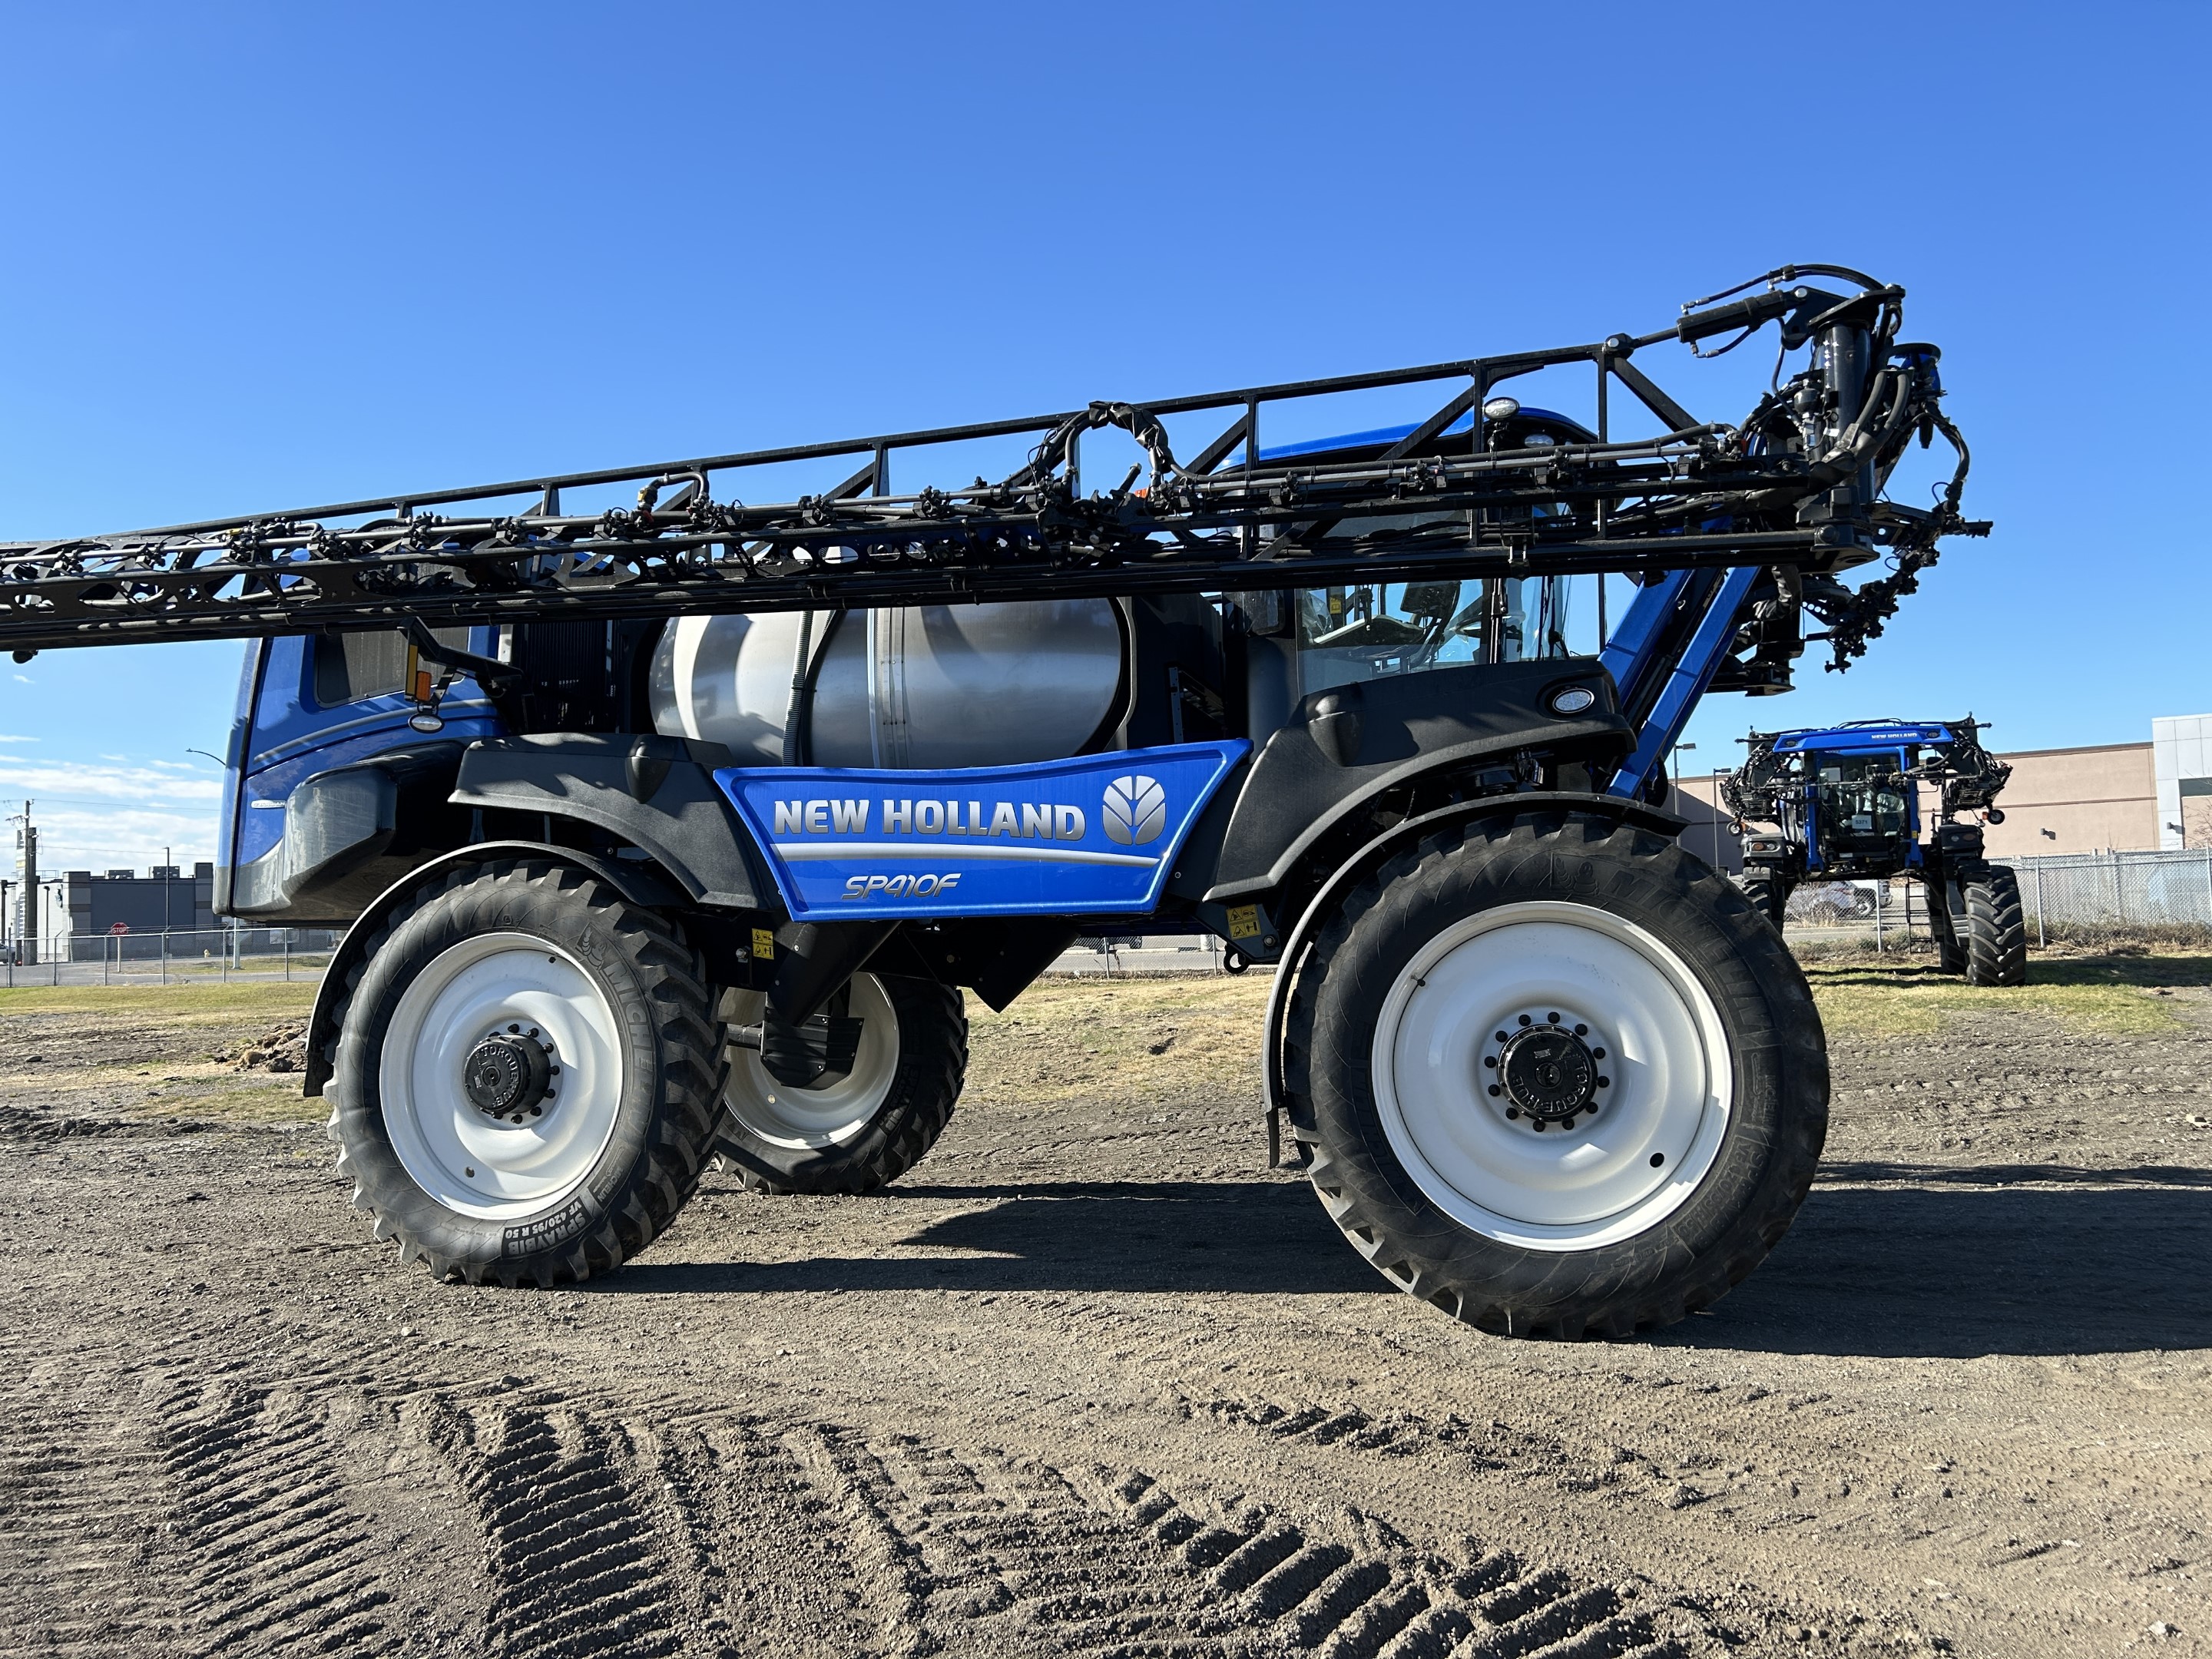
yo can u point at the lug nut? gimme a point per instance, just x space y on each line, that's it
1527 1019
1495 1090
1581 1031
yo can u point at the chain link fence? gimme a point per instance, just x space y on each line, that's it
2077 897
2068 894
180 957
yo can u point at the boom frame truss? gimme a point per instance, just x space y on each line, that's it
1701 496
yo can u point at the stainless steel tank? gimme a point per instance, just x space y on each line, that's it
929 686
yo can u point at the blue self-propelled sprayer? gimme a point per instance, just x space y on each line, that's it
1846 803
670 818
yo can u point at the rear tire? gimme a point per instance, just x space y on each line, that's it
1768 893
1996 929
1950 954
862 1131
1679 995
532 983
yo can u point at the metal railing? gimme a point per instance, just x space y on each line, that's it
176 957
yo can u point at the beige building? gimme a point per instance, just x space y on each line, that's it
2078 801
2058 800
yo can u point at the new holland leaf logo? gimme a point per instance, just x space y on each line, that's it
1136 810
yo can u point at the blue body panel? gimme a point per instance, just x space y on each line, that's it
1629 654
1094 835
1685 684
1633 654
1868 738
290 737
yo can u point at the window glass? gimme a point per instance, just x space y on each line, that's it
1365 632
1862 797
352 666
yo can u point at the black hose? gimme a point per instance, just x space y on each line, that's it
805 670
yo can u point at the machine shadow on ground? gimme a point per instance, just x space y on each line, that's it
1265 1236
1945 1271
1918 1266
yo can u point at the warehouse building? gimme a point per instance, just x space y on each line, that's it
2182 747
123 914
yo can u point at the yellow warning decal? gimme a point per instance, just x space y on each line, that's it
1243 921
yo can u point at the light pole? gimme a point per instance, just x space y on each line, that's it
60 887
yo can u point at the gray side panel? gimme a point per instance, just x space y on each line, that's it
348 833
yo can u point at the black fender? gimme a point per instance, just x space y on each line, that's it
640 883
1348 748
658 794
1357 868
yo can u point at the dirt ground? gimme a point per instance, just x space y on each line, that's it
1094 1380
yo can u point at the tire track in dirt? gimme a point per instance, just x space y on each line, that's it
1111 1564
600 1520
575 1560
82 1507
282 1561
1359 1591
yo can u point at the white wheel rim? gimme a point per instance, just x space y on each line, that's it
1665 1057
466 1159
809 1120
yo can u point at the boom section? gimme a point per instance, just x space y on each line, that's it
1788 493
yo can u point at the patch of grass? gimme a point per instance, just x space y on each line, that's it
1869 997
155 1003
1064 1038
278 1101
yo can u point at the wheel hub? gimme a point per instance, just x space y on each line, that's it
1544 1070
508 1077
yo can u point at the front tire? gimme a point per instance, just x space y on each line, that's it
1558 1077
526 1076
1996 929
864 1129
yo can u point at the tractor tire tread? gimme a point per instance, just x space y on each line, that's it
1996 929
670 978
1643 1283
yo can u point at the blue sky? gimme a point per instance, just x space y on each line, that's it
258 255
